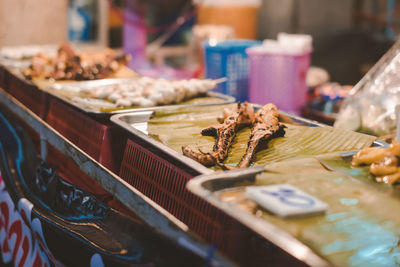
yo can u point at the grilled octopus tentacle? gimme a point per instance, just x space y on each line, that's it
224 133
205 159
265 126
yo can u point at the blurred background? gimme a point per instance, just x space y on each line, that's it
349 36
165 39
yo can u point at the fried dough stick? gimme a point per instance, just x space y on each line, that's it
384 162
224 133
265 126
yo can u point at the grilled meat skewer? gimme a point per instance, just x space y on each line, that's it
224 133
265 126
70 64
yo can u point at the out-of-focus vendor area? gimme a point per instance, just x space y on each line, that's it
199 133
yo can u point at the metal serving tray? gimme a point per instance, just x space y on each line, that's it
206 186
67 90
20 56
148 211
136 123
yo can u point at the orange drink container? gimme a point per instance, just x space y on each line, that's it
242 15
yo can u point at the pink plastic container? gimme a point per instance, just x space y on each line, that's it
278 79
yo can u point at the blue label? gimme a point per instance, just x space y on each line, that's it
291 198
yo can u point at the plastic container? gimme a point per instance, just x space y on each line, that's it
279 79
134 37
229 59
242 15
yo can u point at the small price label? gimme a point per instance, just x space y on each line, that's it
286 200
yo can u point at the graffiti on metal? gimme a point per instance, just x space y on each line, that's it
21 236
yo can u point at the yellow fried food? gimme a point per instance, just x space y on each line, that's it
389 179
368 155
384 162
386 166
393 149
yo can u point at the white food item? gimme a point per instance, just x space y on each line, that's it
146 103
104 92
168 94
124 102
209 85
136 101
115 96
191 88
90 102
144 81
84 89
147 92
157 98
131 94
179 94
96 93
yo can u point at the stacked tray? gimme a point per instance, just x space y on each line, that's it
14 59
159 170
359 227
20 56
172 128
88 128
71 93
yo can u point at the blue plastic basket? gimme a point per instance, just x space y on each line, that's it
228 59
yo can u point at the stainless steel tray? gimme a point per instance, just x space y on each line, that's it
206 186
136 123
146 209
20 56
67 90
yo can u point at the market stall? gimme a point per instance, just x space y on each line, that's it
132 166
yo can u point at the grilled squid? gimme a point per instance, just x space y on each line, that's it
224 134
265 126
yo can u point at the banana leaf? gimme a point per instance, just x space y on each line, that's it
361 226
342 164
179 127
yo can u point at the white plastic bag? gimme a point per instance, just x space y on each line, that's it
371 104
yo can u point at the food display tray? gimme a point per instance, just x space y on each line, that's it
161 173
26 91
20 56
136 124
61 89
206 186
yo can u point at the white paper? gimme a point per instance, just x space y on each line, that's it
285 200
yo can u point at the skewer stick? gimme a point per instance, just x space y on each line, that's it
221 80
397 111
